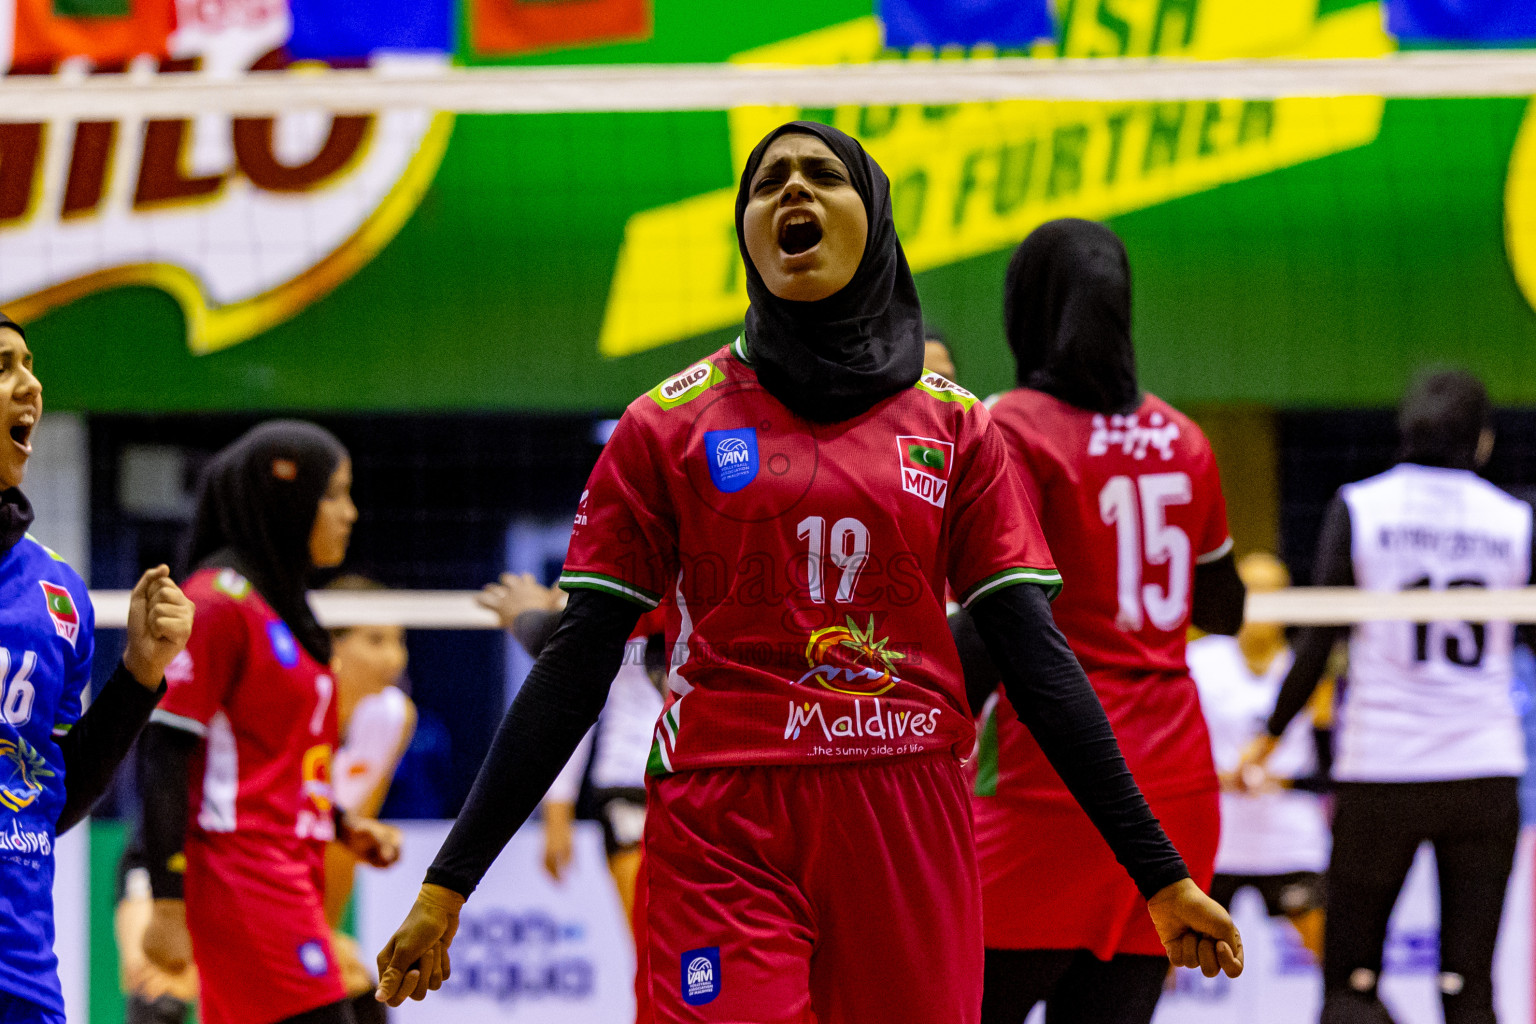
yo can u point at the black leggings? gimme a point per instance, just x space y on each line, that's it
330 1013
363 1009
1076 986
1377 829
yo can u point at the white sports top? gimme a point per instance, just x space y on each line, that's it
1274 832
1432 701
374 735
623 733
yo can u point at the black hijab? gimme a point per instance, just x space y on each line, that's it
256 509
833 359
15 510
1067 314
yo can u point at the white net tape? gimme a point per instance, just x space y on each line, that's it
141 93
1309 606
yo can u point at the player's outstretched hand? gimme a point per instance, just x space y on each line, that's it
1250 774
159 623
167 943
518 593
416 958
1195 931
372 842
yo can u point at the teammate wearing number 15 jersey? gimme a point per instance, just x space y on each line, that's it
803 496
1129 499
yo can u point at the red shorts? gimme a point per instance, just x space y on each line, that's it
259 938
835 894
1050 882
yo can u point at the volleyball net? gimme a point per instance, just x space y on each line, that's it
1298 606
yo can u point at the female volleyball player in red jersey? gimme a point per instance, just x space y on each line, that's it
803 495
237 788
1129 499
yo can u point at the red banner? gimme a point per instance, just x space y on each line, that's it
44 36
505 28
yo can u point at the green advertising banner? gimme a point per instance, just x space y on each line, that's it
1294 252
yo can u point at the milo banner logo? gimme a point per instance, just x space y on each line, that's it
243 220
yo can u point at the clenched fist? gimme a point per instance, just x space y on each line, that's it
372 842
159 624
1195 931
416 958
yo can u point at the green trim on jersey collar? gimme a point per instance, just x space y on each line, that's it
739 349
51 553
582 580
1050 579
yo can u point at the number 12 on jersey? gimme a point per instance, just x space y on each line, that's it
1138 510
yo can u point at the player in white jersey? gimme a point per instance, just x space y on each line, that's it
1274 835
1429 744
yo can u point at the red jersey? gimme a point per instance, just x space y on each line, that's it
807 562
267 710
1130 504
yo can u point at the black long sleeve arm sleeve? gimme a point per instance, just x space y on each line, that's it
165 753
1333 567
1053 698
1216 606
533 629
558 702
97 744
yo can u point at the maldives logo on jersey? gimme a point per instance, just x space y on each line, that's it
61 609
701 975
28 768
925 464
732 457
847 659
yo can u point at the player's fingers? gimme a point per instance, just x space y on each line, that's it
447 961
1231 961
389 984
389 978
426 966
1206 951
435 980
407 986
1189 949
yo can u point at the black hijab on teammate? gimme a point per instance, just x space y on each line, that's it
1067 314
15 510
256 510
835 358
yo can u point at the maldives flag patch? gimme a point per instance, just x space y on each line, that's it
925 465
61 609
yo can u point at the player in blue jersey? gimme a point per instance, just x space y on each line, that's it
54 761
